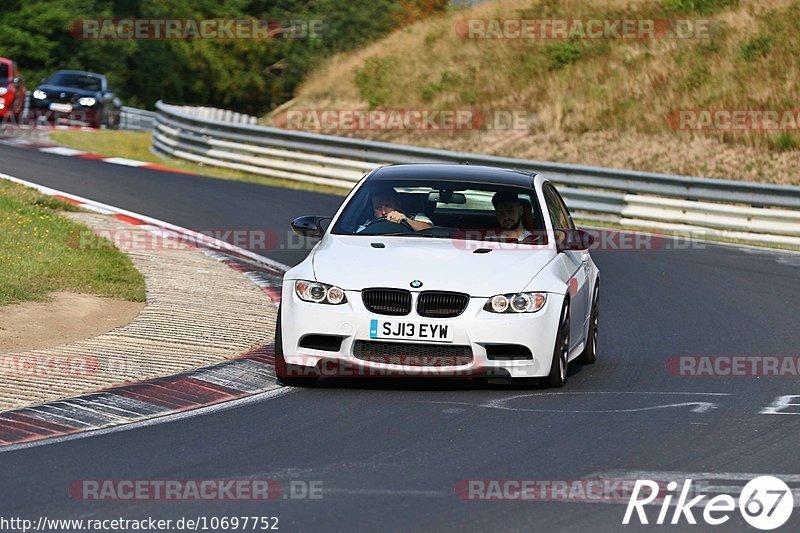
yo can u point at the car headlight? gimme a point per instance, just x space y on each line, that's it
3 91
320 293
521 302
88 101
39 95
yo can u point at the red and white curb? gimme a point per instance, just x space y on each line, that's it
247 375
48 147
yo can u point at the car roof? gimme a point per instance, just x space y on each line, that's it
82 72
454 172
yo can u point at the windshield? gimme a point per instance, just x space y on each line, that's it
444 209
4 75
78 81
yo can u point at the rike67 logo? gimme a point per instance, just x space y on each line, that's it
765 503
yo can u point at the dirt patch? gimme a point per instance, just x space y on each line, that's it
68 317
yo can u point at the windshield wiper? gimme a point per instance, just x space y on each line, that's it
401 234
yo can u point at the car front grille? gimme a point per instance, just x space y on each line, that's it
394 302
412 354
436 304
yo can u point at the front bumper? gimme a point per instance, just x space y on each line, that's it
81 115
474 328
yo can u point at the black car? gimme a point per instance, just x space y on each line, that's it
76 96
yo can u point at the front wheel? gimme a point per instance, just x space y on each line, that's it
97 119
112 121
558 367
291 375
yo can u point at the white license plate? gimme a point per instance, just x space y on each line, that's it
391 329
61 108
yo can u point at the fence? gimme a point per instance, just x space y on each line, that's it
133 119
751 212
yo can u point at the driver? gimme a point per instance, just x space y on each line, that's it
509 212
386 204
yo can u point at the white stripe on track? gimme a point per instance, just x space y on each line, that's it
61 150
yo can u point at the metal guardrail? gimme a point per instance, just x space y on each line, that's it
756 212
214 113
133 119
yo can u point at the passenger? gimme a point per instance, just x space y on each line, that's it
509 212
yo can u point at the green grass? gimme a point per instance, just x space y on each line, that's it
136 145
39 255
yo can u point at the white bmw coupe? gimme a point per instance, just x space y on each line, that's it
441 270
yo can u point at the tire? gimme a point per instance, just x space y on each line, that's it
97 123
112 121
589 355
558 368
291 375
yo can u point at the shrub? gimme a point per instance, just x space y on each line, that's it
372 80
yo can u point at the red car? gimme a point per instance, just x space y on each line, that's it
12 91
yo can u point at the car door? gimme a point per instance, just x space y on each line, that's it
577 262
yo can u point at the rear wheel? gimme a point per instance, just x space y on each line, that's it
292 375
558 368
589 354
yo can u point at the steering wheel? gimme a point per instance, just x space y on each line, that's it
379 225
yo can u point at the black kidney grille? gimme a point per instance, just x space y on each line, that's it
441 304
387 301
412 354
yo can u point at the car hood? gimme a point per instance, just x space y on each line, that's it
71 91
351 262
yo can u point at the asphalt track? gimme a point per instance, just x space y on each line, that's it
389 454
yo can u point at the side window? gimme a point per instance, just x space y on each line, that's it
563 209
555 208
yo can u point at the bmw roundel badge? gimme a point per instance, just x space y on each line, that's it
416 284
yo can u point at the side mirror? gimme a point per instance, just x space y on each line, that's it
18 81
574 239
309 226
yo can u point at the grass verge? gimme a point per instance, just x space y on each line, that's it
608 102
37 258
136 145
